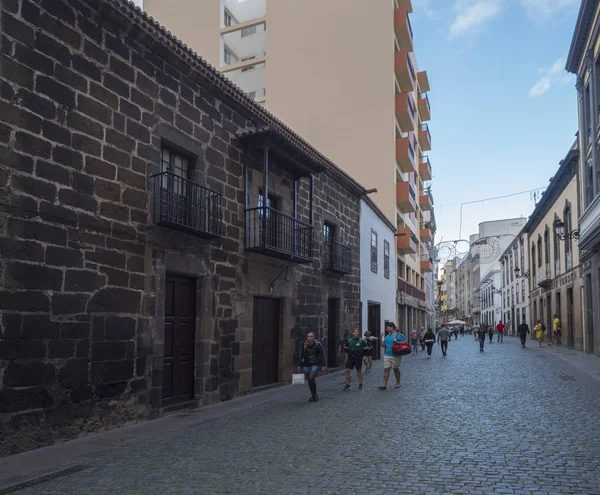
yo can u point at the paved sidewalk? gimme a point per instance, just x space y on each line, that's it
508 420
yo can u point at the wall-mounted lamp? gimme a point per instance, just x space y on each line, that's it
559 228
518 273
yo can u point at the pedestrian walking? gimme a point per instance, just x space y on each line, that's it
490 333
390 360
422 338
557 332
429 341
342 350
443 337
355 350
523 331
414 342
369 351
500 330
481 334
311 361
539 332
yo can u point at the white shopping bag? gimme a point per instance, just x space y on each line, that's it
298 379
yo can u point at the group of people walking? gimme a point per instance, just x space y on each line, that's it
358 351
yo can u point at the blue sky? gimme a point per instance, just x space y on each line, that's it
504 110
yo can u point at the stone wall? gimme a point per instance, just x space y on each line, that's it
89 93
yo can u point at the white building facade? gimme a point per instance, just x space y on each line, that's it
515 284
377 280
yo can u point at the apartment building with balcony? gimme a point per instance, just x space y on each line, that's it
303 60
554 263
515 283
584 61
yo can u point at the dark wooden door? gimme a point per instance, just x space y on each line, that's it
332 331
180 316
374 326
265 341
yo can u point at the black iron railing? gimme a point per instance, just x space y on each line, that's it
274 233
182 204
338 257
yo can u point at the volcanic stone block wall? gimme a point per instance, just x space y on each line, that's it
89 93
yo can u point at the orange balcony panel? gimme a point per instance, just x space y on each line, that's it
423 81
424 108
425 202
405 155
426 266
404 70
405 197
405 243
405 111
425 138
425 168
403 30
426 235
405 5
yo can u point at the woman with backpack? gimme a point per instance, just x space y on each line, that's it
539 332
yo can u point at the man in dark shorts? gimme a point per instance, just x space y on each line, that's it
355 349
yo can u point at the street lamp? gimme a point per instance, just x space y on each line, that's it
559 228
518 273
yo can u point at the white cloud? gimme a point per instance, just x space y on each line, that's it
425 7
550 76
542 10
471 16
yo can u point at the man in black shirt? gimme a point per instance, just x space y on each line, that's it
523 331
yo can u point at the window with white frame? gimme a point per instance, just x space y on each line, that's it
373 251
227 19
250 67
226 56
248 31
386 259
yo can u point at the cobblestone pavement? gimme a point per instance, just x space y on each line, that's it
507 420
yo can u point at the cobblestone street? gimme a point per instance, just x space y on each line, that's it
506 420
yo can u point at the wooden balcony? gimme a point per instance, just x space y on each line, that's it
425 202
426 265
405 243
405 197
425 168
425 137
423 81
426 235
411 290
405 154
403 30
405 111
404 70
424 108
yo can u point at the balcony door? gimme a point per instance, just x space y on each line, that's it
270 210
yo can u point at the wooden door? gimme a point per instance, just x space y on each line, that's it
265 341
332 331
180 316
374 326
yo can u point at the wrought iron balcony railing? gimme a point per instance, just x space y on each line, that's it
180 203
274 233
338 257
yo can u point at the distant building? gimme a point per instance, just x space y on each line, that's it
584 62
554 262
515 283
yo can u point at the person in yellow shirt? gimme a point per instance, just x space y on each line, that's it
539 332
556 331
